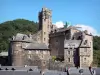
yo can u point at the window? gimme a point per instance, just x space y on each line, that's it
55 30
44 39
85 42
68 52
68 59
44 32
84 59
73 52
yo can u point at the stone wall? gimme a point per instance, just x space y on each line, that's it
57 45
17 54
69 56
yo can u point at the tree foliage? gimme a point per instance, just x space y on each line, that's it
96 42
96 53
10 28
96 58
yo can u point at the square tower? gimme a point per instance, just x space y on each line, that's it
45 24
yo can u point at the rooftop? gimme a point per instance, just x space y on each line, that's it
37 46
4 54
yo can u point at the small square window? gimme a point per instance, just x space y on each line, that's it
85 42
68 52
44 39
44 32
68 59
84 59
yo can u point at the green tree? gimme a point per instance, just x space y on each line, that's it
10 28
67 24
96 42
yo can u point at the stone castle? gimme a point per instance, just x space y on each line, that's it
73 46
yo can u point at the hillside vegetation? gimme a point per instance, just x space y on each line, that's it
10 28
96 47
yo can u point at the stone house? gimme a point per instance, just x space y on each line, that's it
32 47
75 47
24 51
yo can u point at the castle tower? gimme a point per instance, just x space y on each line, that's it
17 53
45 24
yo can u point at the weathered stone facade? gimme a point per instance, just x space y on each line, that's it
73 46
31 48
26 51
45 24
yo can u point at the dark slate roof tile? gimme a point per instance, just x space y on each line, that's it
72 43
37 46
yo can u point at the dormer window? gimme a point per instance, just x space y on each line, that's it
23 38
85 42
51 31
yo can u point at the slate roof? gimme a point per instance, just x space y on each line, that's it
21 70
97 71
64 29
38 46
70 27
36 35
72 43
22 37
73 71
